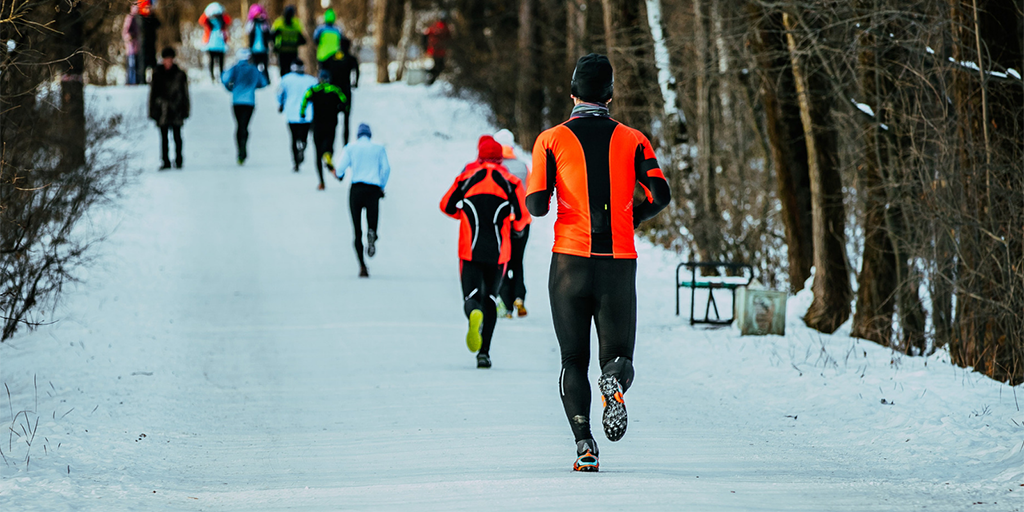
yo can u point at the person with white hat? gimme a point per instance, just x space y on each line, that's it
512 292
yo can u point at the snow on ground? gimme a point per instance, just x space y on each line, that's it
223 355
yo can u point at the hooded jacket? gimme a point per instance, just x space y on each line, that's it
168 96
291 93
242 80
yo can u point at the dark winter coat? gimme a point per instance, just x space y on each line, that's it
168 96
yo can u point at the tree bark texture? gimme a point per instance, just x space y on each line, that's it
529 92
708 232
989 319
408 25
631 52
380 38
788 149
831 286
307 10
72 85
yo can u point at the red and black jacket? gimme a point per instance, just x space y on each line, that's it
490 203
595 163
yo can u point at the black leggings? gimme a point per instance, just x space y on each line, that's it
300 134
165 150
514 286
217 57
363 196
479 285
323 139
262 63
284 62
604 290
243 114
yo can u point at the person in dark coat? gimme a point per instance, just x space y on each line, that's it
169 105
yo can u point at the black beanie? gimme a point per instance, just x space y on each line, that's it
167 53
592 80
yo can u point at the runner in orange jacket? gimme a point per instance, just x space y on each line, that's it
594 163
490 205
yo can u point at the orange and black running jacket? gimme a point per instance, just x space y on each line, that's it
595 163
492 204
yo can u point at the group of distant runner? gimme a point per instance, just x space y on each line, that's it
593 162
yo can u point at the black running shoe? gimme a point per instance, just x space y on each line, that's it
371 239
483 361
586 456
614 419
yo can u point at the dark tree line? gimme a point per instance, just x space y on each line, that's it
877 142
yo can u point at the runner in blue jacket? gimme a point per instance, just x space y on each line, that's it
242 80
370 172
289 100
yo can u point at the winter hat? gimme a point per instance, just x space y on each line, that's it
329 16
243 54
592 80
505 137
167 53
364 129
213 9
289 12
257 11
324 76
297 65
489 149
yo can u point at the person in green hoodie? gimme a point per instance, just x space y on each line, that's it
287 35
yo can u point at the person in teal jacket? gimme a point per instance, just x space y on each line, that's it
242 80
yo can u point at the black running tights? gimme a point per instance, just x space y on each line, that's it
513 286
300 134
479 286
243 114
363 196
218 58
323 139
604 290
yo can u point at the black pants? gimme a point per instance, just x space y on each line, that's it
346 112
604 290
323 139
300 134
243 114
363 196
513 286
262 62
216 57
284 62
479 285
165 150
436 70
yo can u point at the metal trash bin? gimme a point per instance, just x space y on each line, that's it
760 311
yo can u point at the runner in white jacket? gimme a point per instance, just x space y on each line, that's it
289 100
370 171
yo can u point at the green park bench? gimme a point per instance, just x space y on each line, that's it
743 274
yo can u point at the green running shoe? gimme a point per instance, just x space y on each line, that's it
474 337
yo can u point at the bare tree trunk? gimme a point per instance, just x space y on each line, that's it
408 23
832 292
529 95
786 138
380 38
631 52
708 233
307 14
72 85
576 25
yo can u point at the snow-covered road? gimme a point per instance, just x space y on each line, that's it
223 355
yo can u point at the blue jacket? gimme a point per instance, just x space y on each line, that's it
369 162
289 95
242 80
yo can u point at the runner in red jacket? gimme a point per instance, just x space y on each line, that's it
490 205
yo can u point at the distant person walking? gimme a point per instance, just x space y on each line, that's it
287 34
289 98
242 80
169 105
513 286
370 172
489 204
328 101
595 163
437 36
258 31
215 23
327 39
131 33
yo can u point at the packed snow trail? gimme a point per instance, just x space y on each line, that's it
223 355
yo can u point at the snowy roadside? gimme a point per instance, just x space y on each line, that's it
223 356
